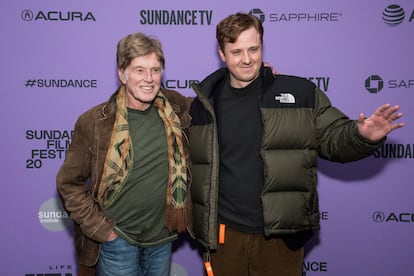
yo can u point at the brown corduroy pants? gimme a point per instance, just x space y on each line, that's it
254 255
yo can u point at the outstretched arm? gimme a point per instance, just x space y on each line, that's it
380 123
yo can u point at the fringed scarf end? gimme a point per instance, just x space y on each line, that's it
178 219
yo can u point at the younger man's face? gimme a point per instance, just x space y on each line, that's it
243 58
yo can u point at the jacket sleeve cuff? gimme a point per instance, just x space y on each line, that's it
364 140
103 230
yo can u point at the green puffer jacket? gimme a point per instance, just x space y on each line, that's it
299 124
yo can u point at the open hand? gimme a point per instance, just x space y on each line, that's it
380 123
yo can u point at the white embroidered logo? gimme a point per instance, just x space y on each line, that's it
285 98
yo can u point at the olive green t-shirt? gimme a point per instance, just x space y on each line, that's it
139 208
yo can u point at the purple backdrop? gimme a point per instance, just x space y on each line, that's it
58 59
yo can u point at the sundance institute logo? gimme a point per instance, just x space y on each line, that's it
393 15
53 216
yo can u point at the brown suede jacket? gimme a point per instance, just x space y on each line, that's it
79 176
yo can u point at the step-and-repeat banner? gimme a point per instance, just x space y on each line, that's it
58 59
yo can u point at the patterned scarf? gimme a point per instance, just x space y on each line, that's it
118 162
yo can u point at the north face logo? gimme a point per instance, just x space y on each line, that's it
285 98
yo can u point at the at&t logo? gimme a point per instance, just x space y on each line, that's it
393 15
